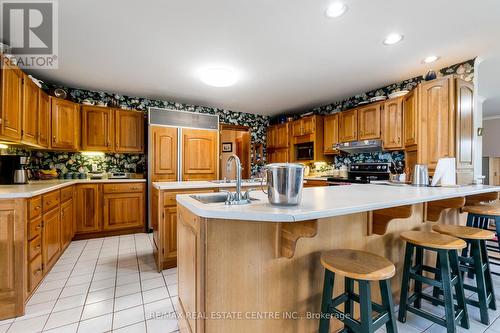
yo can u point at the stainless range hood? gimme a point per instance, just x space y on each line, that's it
356 147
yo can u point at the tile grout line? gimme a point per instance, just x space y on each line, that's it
140 284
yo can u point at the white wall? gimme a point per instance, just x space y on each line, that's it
491 137
478 120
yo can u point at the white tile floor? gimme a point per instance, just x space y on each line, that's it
111 285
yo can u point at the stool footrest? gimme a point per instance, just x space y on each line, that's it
426 280
426 315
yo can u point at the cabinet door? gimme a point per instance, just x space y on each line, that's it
199 154
465 124
87 208
348 124
369 122
282 136
271 137
308 125
410 118
331 133
67 215
30 111
169 233
123 211
439 120
11 99
43 119
129 131
164 141
98 128
392 124
282 155
63 120
51 235
297 127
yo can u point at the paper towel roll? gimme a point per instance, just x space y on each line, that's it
445 173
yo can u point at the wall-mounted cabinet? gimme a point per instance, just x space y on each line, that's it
12 101
304 126
98 128
43 119
30 111
129 131
331 133
369 122
65 124
278 143
348 126
392 124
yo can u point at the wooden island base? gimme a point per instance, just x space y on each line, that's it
231 272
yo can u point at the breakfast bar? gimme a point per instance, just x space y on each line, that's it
255 267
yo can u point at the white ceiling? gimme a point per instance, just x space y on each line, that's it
289 56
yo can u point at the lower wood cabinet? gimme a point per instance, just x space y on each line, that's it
67 222
51 237
123 210
87 208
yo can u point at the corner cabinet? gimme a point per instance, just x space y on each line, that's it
12 101
65 124
199 154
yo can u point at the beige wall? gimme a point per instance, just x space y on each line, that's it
491 137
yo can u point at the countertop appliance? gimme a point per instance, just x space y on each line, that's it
13 169
118 175
363 173
285 182
356 147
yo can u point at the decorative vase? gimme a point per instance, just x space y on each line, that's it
431 75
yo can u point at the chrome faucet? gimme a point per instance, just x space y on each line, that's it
236 198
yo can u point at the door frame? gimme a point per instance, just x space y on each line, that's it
240 128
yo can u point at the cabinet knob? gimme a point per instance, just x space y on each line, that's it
38 227
54 138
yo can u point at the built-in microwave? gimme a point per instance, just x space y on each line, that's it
304 151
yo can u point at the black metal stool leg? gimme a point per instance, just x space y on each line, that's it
437 277
447 292
388 304
403 299
324 322
470 220
365 306
497 228
487 276
349 304
419 261
459 289
480 281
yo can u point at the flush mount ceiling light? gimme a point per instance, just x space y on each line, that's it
336 9
430 59
218 76
393 38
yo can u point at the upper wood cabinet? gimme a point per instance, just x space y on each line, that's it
282 136
465 131
199 154
129 131
410 118
87 208
11 100
304 126
348 126
30 111
65 124
369 122
97 128
164 159
331 133
43 119
392 124
271 137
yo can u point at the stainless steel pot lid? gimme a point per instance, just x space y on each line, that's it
285 166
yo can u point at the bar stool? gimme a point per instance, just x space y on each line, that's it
362 267
477 262
447 276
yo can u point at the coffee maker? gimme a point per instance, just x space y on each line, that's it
13 169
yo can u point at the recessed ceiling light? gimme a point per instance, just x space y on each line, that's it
336 9
430 59
218 76
393 38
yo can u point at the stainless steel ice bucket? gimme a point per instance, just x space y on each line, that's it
284 183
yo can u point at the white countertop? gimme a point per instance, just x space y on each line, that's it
199 184
38 187
321 202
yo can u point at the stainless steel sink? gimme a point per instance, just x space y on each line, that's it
213 198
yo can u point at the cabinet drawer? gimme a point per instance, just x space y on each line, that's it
51 200
34 247
35 207
123 187
35 272
169 197
66 193
34 227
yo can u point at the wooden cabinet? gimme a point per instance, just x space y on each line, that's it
199 154
67 222
281 155
282 138
410 118
87 208
369 122
170 233
129 131
30 111
271 137
464 131
43 119
65 124
51 237
97 128
348 126
304 126
11 101
392 124
123 208
164 159
331 133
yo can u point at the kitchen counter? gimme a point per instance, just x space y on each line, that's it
38 187
321 202
199 185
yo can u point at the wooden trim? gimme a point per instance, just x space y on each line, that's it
379 220
234 127
100 234
287 235
433 209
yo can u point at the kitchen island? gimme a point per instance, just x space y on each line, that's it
255 268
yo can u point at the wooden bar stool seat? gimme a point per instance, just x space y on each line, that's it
492 210
477 263
362 267
447 277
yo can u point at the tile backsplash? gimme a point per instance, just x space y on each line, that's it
378 157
